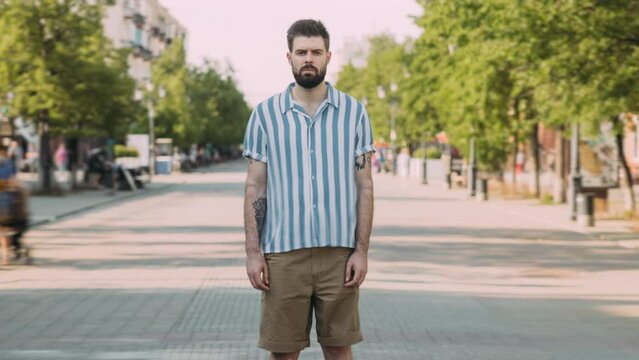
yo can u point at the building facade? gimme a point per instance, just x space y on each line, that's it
144 25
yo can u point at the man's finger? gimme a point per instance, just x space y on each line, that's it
257 281
361 279
357 277
265 274
349 271
259 284
250 276
352 277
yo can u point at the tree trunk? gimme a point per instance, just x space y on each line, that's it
534 143
72 146
630 194
559 193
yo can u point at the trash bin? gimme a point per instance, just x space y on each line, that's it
163 165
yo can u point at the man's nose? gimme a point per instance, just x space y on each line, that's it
308 58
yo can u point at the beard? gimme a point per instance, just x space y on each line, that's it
308 80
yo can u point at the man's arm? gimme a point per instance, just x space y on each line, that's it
357 265
255 207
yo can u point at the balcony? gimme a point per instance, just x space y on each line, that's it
139 50
135 15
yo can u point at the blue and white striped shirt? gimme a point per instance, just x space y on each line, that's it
311 190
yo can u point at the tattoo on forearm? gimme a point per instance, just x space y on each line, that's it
259 206
362 161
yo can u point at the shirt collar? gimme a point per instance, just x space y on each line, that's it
287 103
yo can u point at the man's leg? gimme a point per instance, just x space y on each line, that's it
286 320
337 352
285 356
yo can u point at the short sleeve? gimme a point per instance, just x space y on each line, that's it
255 141
364 135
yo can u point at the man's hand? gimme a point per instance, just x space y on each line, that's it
257 271
356 269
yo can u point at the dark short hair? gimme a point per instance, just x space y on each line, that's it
308 28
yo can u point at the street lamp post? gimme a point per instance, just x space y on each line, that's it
45 154
472 168
575 170
151 117
424 161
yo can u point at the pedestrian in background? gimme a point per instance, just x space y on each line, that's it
403 162
15 155
308 206
61 157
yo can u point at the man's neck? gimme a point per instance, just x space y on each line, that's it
313 96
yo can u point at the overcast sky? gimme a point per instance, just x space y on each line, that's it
251 34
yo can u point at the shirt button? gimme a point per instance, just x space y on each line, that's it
314 206
313 177
312 151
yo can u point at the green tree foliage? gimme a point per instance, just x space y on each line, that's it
169 72
384 67
200 104
217 105
54 56
496 69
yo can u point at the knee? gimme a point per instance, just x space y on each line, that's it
337 352
285 356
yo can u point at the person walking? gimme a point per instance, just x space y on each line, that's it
308 205
16 155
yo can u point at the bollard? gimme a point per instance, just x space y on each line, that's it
585 210
449 180
424 171
482 189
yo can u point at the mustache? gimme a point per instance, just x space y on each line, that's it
309 67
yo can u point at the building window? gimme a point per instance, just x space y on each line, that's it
137 36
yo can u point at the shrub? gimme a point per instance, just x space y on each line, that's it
124 151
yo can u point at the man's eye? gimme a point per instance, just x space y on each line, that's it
317 52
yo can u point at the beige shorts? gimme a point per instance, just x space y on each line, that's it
302 282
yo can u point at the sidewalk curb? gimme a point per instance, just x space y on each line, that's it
109 201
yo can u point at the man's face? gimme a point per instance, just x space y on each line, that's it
308 60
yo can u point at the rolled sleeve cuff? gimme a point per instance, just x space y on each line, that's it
253 155
365 149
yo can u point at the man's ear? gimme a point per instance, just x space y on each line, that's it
328 57
289 58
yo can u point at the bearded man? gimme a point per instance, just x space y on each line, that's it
308 205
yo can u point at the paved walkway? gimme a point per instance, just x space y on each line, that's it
44 209
162 277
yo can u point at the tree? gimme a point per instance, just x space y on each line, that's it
200 105
590 62
384 66
55 56
218 106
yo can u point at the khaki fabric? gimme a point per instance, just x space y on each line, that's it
303 282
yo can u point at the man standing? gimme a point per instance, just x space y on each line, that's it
308 205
